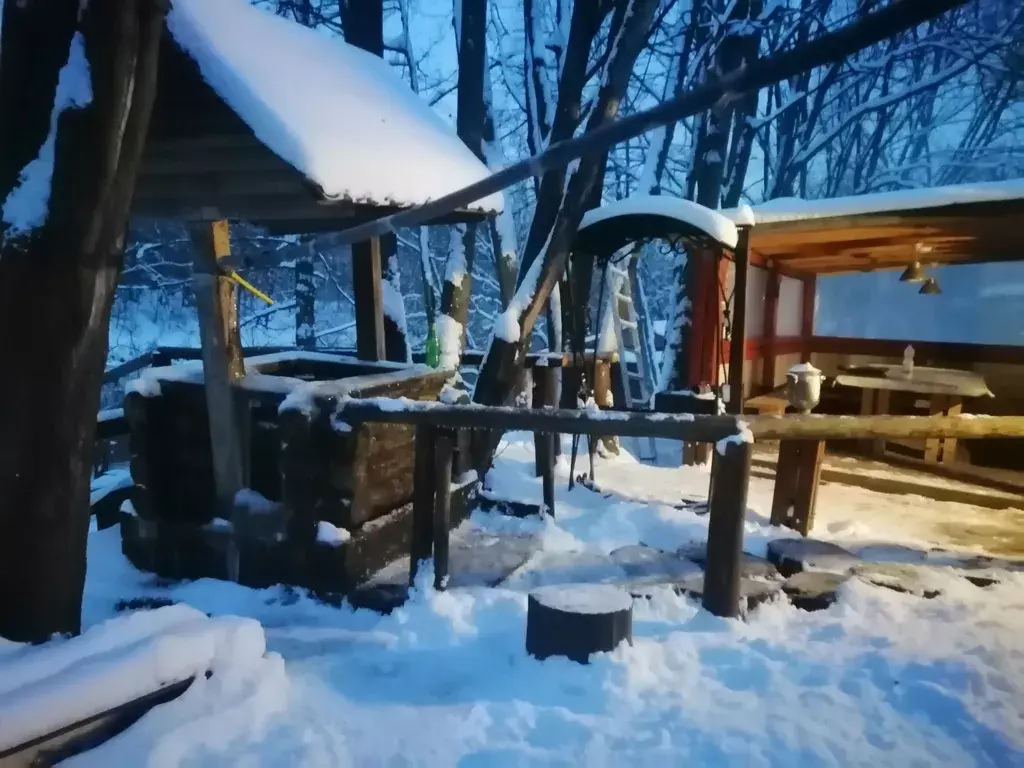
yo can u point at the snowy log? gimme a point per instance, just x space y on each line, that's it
576 621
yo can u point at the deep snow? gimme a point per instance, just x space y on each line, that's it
880 678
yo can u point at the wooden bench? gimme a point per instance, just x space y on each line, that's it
771 403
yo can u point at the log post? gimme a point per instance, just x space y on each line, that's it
445 444
545 395
738 336
422 545
366 285
217 305
797 474
727 511
578 620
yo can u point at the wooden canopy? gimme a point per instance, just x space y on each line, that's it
958 233
202 162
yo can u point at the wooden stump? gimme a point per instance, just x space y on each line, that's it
576 621
797 475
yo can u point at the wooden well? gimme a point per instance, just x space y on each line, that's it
298 457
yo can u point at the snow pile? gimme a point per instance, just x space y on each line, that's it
711 223
28 204
47 687
326 533
336 113
880 678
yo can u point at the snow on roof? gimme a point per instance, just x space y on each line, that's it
712 223
784 209
336 113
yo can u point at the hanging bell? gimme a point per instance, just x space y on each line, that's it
914 274
930 287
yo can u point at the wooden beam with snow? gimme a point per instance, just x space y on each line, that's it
217 305
367 273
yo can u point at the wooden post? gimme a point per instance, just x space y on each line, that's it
771 316
738 338
422 500
725 528
444 443
545 395
366 285
305 298
955 407
810 294
797 475
217 305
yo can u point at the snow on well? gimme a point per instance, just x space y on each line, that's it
28 204
712 223
336 113
796 209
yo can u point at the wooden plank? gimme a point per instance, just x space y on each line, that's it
222 365
728 509
933 445
422 546
701 429
366 286
949 445
738 334
882 400
968 386
89 732
769 341
444 445
797 476
814 427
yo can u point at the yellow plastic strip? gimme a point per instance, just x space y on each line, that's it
249 287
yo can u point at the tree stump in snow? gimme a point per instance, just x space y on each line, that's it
576 621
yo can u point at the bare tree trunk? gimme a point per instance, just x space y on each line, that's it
60 270
583 28
505 357
363 23
458 278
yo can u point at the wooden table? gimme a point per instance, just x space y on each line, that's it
945 389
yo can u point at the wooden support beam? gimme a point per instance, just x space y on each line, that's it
444 446
366 286
217 304
738 337
768 341
422 546
810 294
727 510
812 427
698 429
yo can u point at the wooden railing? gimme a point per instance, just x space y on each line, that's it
437 427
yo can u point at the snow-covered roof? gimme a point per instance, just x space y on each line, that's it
338 114
712 223
784 209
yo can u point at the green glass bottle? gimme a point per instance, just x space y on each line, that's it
433 350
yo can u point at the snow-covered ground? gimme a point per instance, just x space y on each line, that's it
880 678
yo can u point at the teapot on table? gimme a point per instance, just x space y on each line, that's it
803 387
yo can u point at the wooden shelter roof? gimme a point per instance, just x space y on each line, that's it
257 118
964 224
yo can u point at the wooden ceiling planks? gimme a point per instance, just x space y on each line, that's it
954 234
